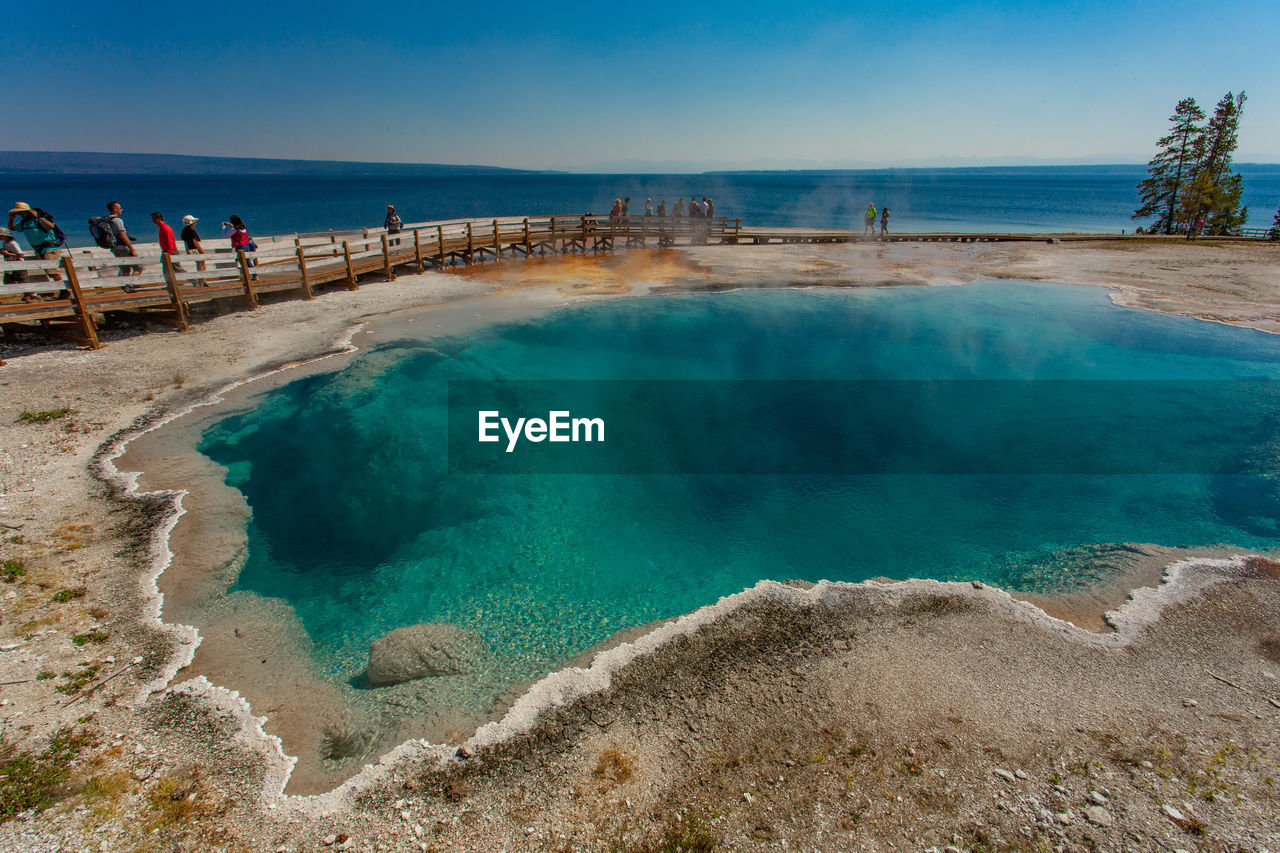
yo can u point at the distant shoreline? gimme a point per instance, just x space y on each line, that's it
25 163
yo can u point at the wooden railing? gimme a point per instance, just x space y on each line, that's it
68 295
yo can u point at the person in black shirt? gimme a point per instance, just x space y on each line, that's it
190 238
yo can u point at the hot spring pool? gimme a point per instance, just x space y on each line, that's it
359 524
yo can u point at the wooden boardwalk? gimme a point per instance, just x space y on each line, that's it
69 296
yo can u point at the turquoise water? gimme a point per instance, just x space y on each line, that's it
359 524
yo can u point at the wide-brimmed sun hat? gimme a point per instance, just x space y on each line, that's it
189 220
5 232
21 207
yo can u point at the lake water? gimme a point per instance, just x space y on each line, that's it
1033 199
364 519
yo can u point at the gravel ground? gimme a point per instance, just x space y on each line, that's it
872 717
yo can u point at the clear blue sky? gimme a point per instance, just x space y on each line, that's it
578 85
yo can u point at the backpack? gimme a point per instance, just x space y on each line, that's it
58 234
102 233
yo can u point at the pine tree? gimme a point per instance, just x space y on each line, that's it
1275 226
1172 168
1215 192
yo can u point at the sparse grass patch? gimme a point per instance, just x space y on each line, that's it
614 766
62 596
105 789
70 537
45 675
11 570
37 780
173 801
41 417
690 834
178 379
95 636
78 679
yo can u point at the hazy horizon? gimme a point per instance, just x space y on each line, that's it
193 161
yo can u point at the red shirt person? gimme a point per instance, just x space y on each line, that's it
168 244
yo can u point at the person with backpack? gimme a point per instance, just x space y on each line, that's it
869 220
392 223
39 229
123 245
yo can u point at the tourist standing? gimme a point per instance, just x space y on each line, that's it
37 226
662 207
240 239
626 206
191 237
884 222
392 223
164 235
708 207
648 207
124 243
869 220
679 208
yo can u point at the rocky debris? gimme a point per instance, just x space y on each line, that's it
1005 775
422 651
1098 798
1097 815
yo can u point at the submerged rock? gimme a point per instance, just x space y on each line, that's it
420 651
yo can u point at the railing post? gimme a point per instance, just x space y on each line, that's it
553 235
583 224
302 272
351 276
417 250
175 298
333 238
246 278
527 247
497 242
470 243
440 243
82 310
386 258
